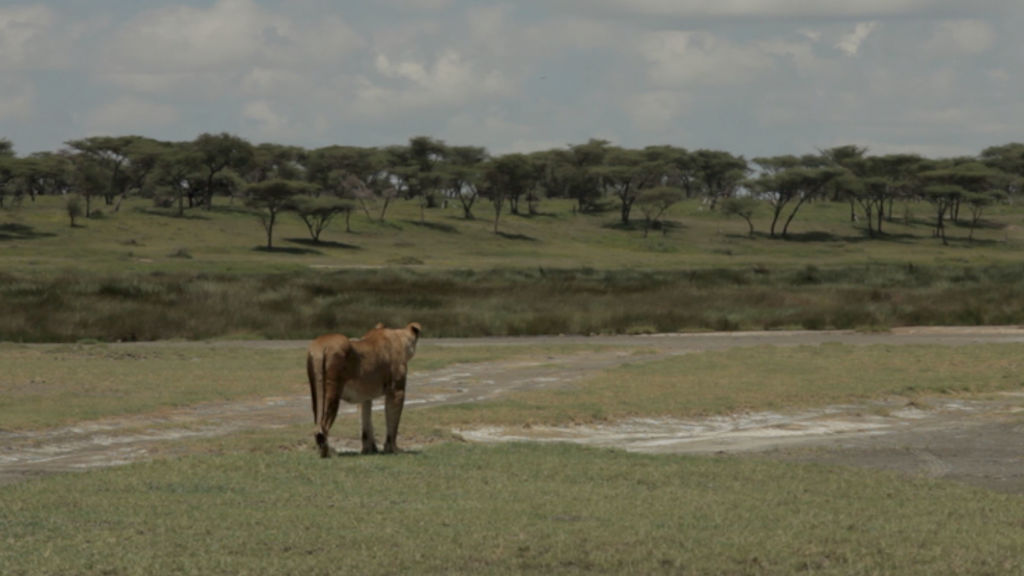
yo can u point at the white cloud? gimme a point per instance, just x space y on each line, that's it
800 52
962 37
186 39
493 129
775 76
269 123
130 115
655 111
265 80
229 36
408 85
17 99
850 43
575 33
786 9
812 35
28 38
424 5
701 58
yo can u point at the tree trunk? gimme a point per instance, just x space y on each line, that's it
270 230
785 227
776 212
497 215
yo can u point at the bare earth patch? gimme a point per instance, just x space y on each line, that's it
980 441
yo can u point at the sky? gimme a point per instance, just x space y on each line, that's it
752 77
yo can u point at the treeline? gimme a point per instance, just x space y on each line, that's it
321 183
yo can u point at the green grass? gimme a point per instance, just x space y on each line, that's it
36 236
514 509
752 379
111 380
51 385
261 502
144 274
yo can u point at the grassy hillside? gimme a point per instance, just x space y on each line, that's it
143 273
37 236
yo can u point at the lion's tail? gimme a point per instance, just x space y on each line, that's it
316 370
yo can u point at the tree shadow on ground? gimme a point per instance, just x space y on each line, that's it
523 237
313 245
235 209
189 214
537 214
14 231
356 453
287 250
656 227
435 226
861 236
982 224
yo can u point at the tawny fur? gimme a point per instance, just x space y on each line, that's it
357 371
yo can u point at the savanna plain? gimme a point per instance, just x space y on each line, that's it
128 320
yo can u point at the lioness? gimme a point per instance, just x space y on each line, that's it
357 371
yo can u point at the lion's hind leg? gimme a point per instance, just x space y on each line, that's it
369 440
393 402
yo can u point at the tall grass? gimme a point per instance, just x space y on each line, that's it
151 306
142 274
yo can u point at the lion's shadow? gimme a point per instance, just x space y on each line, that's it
356 453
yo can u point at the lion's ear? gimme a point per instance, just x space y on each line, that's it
415 328
378 326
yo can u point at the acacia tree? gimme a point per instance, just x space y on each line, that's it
112 155
899 172
1009 159
274 161
177 175
271 197
718 174
620 176
977 202
414 169
507 176
459 174
627 173
217 153
353 173
742 206
850 160
953 181
569 173
144 156
45 173
791 181
318 212
89 178
678 168
654 202
9 171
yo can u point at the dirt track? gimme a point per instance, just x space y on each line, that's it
980 442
